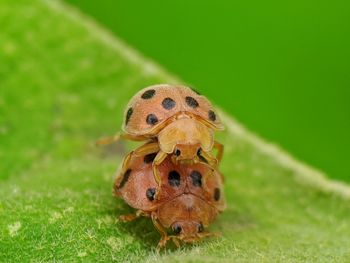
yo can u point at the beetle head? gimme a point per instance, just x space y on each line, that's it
187 231
184 138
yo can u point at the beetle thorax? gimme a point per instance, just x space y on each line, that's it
186 135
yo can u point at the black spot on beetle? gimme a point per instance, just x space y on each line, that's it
191 102
217 194
150 193
128 115
212 115
196 178
174 178
200 228
168 103
177 152
125 179
149 157
148 94
151 119
177 229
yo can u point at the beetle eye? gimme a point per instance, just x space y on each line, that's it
177 229
177 152
200 228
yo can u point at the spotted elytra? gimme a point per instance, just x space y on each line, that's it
179 121
192 196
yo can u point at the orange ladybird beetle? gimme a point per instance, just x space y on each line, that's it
189 200
178 121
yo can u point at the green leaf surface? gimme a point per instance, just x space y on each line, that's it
64 82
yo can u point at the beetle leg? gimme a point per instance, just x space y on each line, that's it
175 240
161 231
131 217
212 161
220 153
147 148
220 149
208 234
160 157
118 136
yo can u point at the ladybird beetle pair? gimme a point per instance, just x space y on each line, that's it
172 178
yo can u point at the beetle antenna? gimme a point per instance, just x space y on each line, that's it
108 140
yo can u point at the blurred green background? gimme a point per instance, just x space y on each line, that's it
280 67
